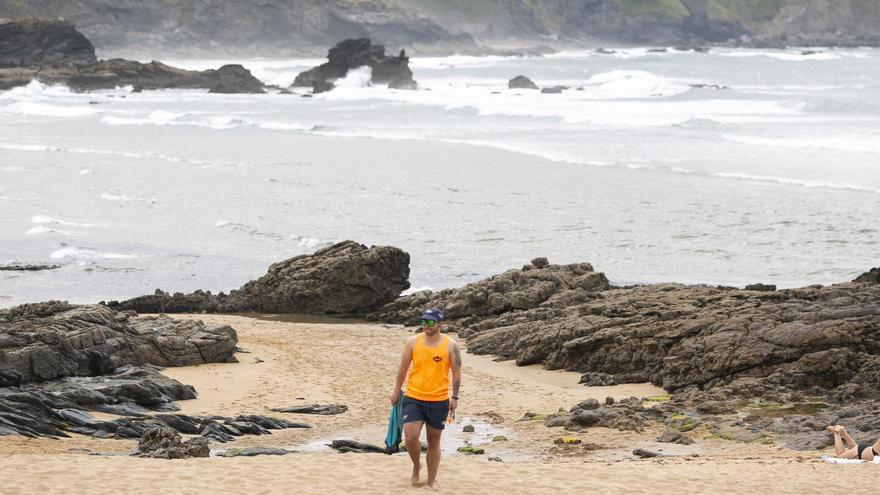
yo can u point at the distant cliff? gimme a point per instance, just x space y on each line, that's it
295 27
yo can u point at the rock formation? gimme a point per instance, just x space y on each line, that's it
35 43
51 340
811 350
352 54
521 82
54 52
165 443
344 278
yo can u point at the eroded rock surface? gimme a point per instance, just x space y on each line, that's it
344 278
54 52
353 54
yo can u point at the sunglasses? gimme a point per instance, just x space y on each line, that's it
427 323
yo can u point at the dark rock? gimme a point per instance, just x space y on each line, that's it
218 433
872 276
468 429
494 459
761 287
322 409
521 82
604 51
352 54
554 89
50 340
355 447
15 267
556 420
582 419
54 52
37 43
253 451
657 50
165 443
344 278
609 401
645 453
587 405
672 436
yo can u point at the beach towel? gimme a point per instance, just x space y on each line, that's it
837 460
395 427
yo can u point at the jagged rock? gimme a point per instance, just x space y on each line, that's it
253 451
343 278
322 409
355 447
587 405
36 43
15 267
672 436
54 52
872 276
165 443
352 54
531 287
50 340
554 89
521 82
761 287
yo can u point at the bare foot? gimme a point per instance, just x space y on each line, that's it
835 429
414 479
433 485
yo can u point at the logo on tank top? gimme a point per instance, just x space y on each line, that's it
437 359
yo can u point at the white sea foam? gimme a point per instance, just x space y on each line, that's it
634 84
459 61
46 219
356 78
221 223
48 110
310 242
42 229
117 196
86 171
793 56
795 182
855 143
413 290
75 252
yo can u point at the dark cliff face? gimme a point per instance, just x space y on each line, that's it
35 43
296 27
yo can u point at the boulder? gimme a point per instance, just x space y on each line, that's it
165 443
554 89
321 409
54 52
521 82
345 446
36 43
355 53
343 278
871 276
45 341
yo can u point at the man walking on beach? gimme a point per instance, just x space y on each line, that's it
427 400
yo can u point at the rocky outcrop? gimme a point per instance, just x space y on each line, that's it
871 276
344 278
537 284
54 52
165 443
355 53
321 409
45 341
521 82
36 43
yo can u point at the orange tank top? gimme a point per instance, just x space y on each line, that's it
429 377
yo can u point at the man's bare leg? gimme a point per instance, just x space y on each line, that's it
433 454
412 431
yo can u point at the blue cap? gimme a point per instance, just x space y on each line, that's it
432 314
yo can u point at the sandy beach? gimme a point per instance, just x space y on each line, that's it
325 361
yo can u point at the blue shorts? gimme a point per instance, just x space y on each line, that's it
433 413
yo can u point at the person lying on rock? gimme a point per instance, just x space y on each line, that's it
852 450
427 400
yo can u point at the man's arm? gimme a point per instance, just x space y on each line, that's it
456 376
405 361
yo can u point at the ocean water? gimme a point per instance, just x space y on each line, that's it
731 167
